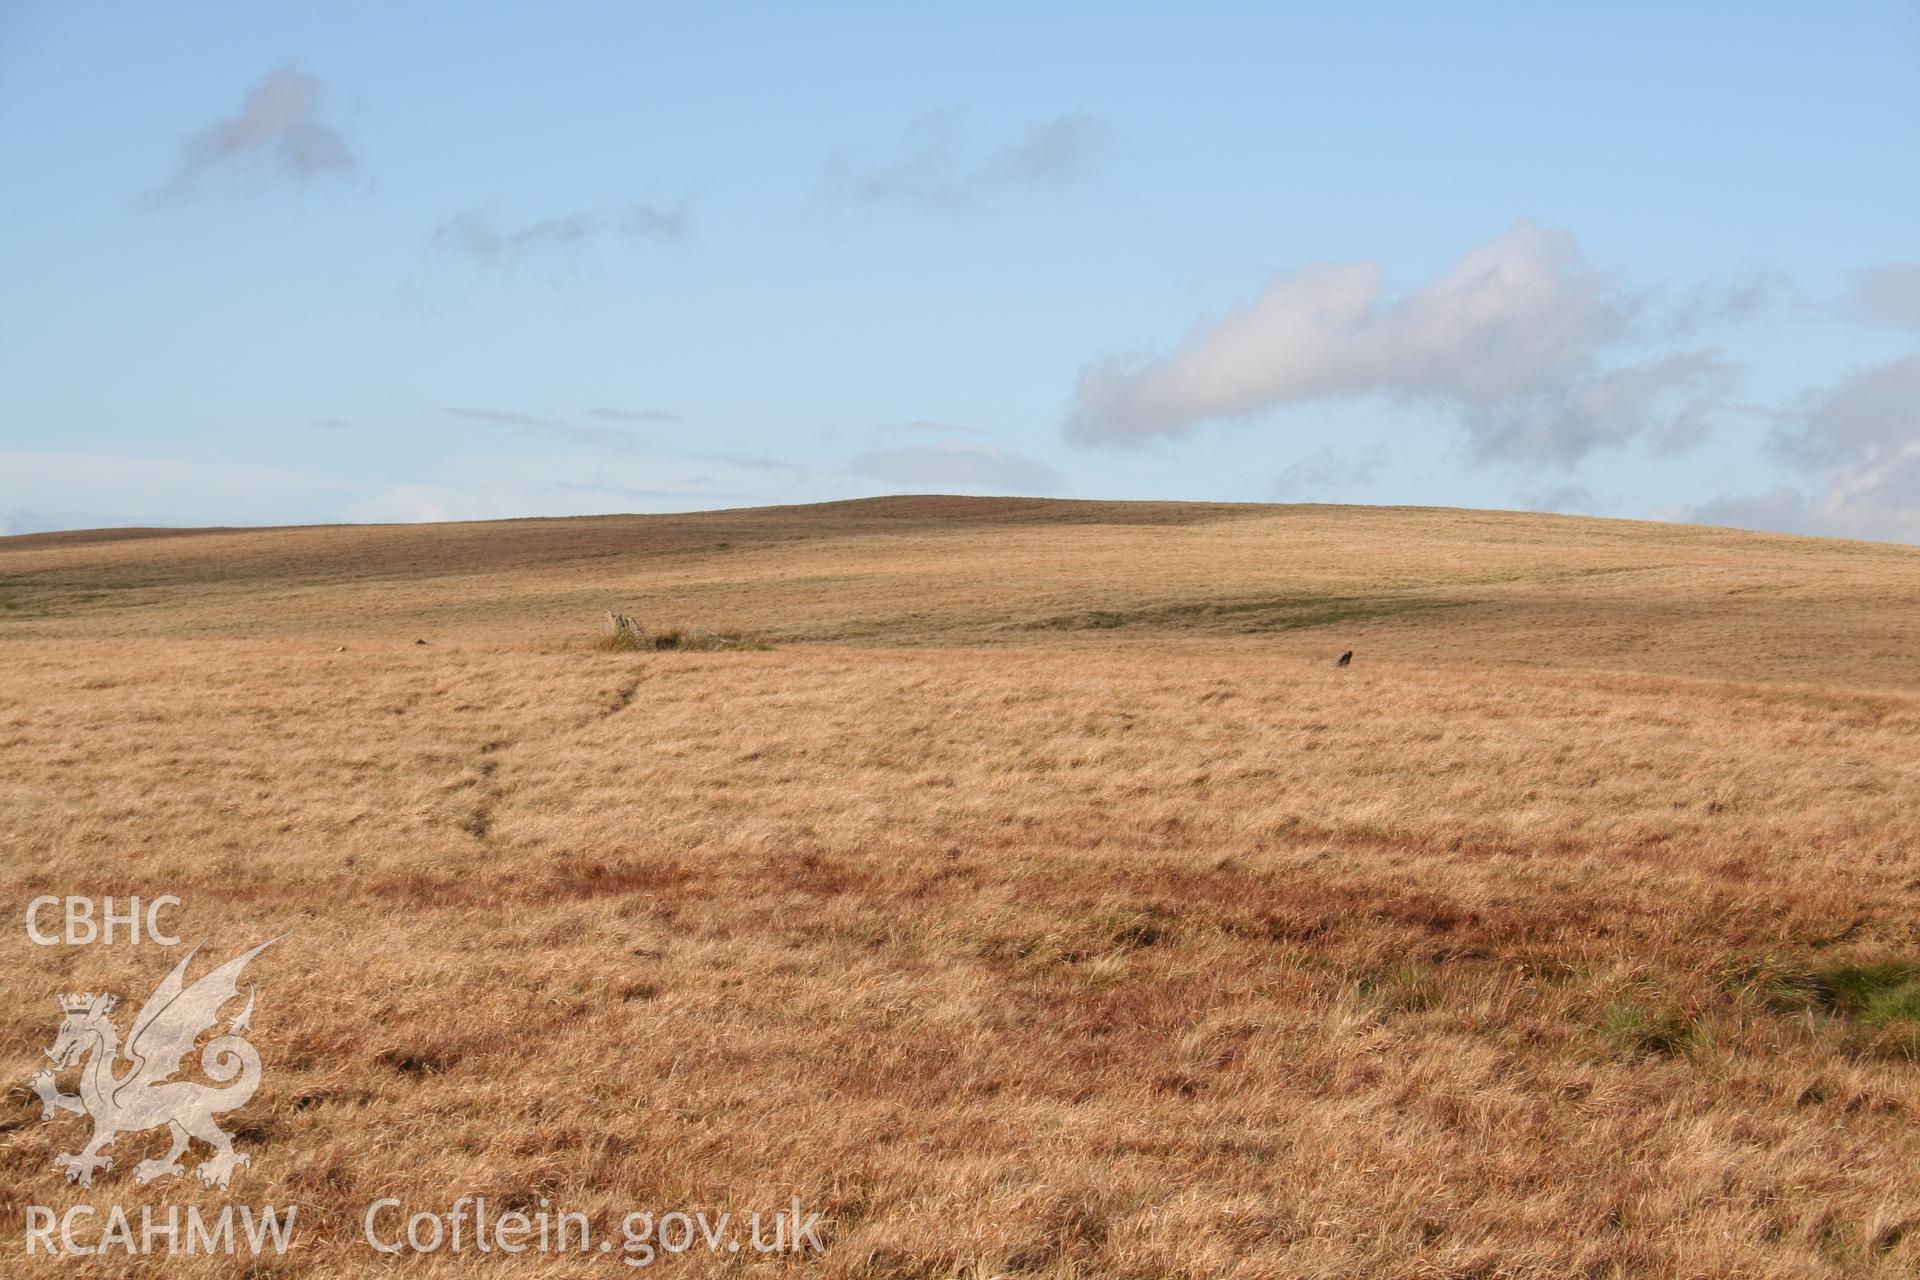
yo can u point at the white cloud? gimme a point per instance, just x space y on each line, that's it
1515 314
278 126
1510 336
958 466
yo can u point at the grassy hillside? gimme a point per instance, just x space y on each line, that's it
1412 584
1043 901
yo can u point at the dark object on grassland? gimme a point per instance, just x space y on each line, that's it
1345 659
419 641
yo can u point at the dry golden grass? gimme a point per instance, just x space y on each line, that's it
1043 902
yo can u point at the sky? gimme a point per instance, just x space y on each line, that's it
272 264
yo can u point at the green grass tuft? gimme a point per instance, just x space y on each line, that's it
1664 1031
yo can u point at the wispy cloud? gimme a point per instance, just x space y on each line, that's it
619 439
1514 337
1886 294
926 426
278 128
1735 298
1327 472
1782 509
636 415
1858 438
1670 402
497 486
1865 429
500 417
693 491
1572 499
747 461
1057 150
958 466
1866 426
932 164
543 427
47 490
486 240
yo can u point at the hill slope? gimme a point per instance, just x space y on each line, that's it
1043 902
1406 584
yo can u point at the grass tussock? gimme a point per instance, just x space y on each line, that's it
1875 994
1661 1030
1874 1004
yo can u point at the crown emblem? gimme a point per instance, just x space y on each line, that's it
78 1003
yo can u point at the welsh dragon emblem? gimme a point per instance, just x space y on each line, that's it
143 1097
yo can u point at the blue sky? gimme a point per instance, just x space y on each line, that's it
278 264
